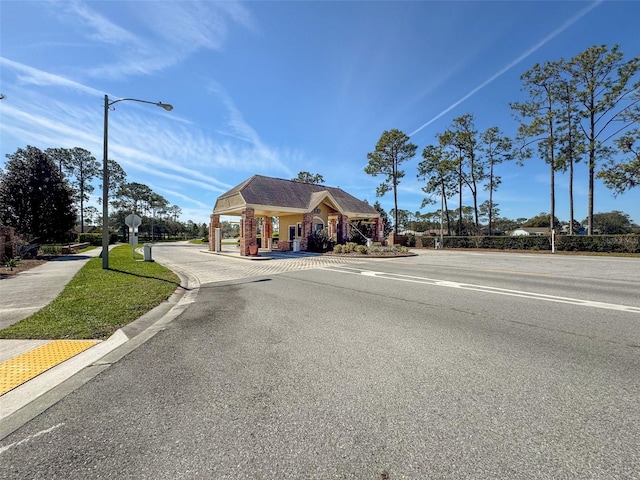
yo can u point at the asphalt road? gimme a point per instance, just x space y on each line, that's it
446 365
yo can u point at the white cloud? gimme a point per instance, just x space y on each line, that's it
181 196
33 76
101 29
513 63
254 154
174 30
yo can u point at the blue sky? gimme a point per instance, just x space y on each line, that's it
274 88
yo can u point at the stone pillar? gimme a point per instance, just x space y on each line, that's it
331 228
378 231
213 224
267 232
307 229
247 231
343 229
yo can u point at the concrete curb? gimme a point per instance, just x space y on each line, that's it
27 401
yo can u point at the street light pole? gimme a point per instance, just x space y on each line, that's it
105 171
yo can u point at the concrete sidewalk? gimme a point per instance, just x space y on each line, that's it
25 293
30 370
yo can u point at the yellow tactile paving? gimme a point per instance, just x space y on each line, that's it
23 368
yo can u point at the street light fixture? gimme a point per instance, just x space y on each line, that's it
105 171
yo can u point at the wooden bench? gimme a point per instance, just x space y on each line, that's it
74 247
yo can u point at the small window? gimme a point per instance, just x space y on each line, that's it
292 232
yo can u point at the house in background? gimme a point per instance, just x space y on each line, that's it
302 208
531 231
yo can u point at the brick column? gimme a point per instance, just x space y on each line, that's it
331 228
343 229
267 232
247 231
213 224
392 239
307 228
378 231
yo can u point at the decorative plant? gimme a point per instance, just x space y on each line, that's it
11 262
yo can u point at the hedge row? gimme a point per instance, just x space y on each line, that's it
95 239
564 243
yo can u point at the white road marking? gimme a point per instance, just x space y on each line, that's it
485 289
29 438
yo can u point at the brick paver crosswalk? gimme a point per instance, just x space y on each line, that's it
208 267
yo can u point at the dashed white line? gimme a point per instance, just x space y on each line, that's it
485 289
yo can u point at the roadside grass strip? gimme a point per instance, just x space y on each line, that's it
97 302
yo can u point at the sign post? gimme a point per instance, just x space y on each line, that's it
133 221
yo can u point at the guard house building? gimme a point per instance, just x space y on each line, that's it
301 208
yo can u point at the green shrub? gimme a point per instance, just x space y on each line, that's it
599 243
350 247
364 250
629 243
51 249
427 242
94 239
10 262
319 241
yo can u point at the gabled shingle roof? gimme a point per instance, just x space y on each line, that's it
276 192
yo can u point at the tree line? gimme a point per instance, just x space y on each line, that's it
44 194
586 108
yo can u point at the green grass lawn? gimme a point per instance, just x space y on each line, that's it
97 302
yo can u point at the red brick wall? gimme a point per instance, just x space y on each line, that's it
284 245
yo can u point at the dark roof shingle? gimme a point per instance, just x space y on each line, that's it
276 192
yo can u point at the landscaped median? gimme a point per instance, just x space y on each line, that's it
97 302
376 250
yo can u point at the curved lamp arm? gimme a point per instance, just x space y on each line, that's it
166 106
105 171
